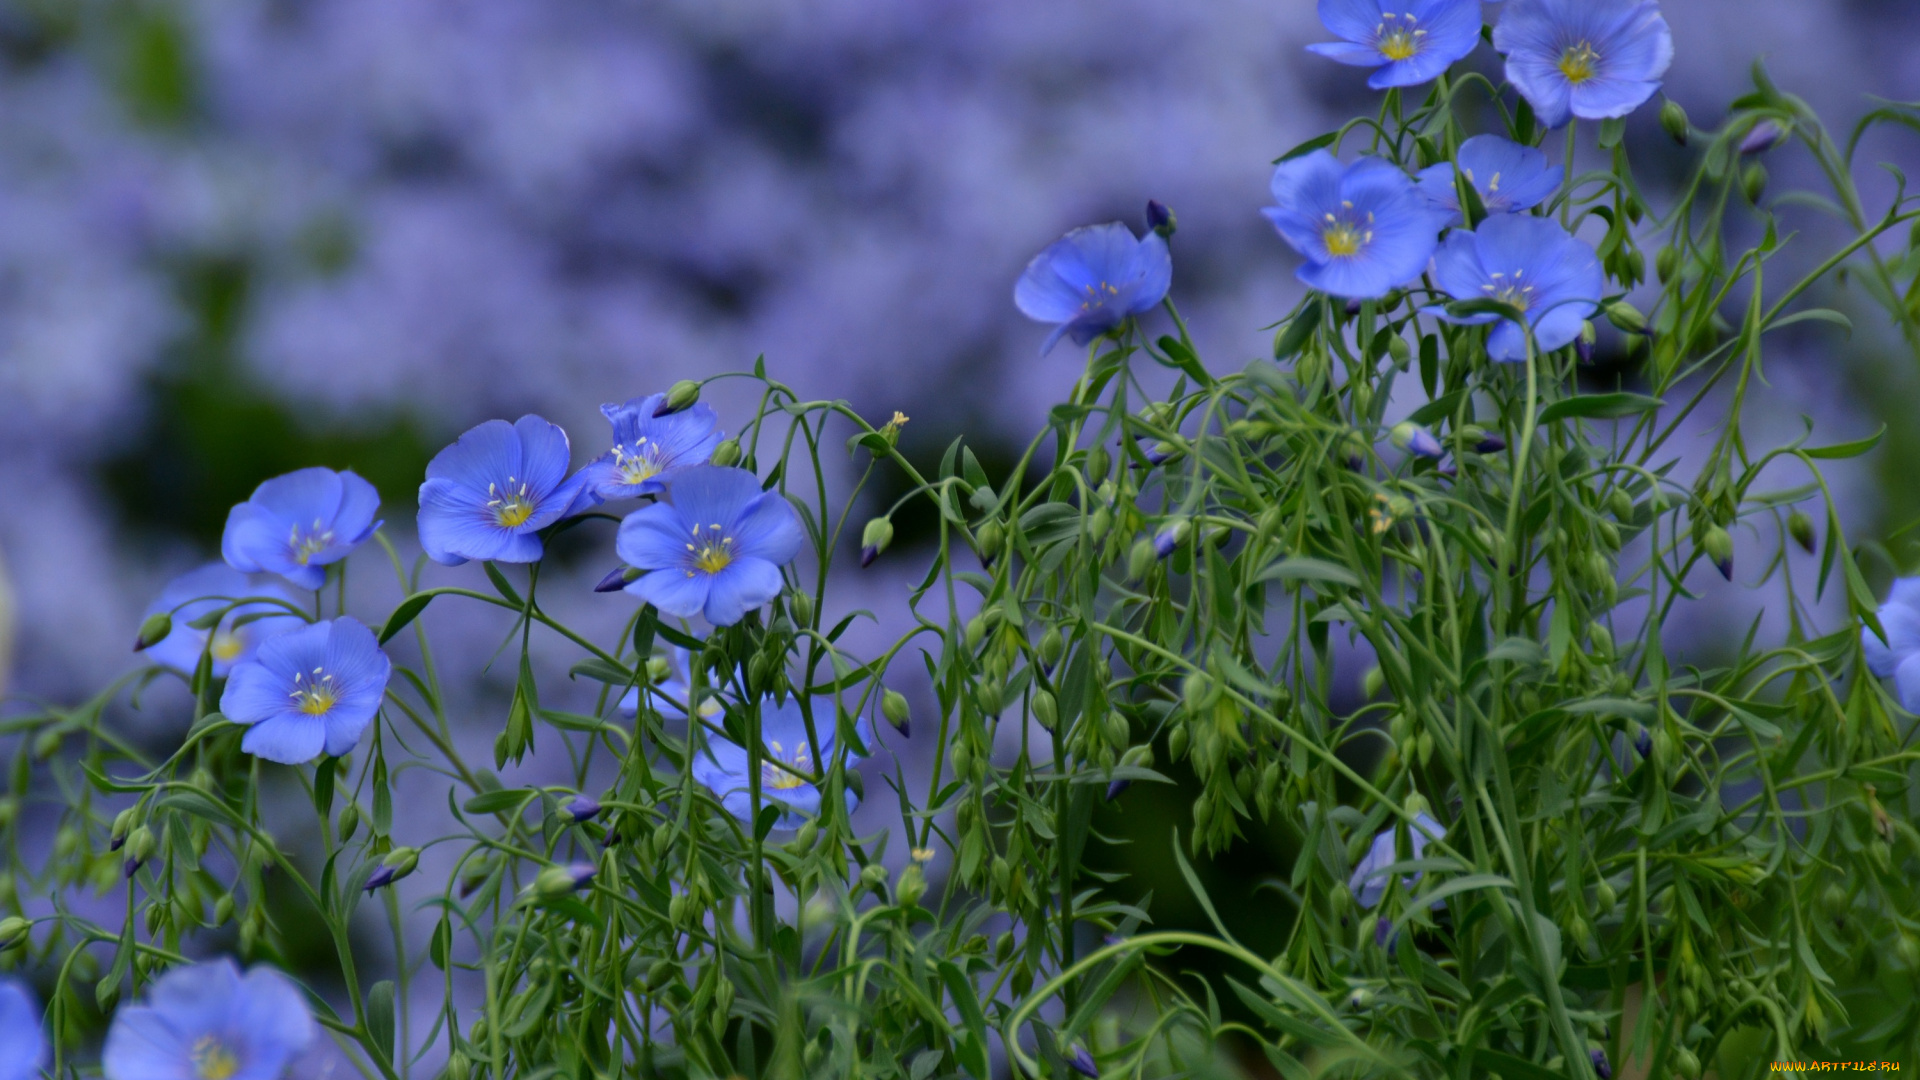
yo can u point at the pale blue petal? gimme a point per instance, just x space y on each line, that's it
142 1045
359 502
301 497
1354 20
1349 53
254 694
248 531
275 1018
1906 680
675 592
292 738
741 587
769 529
545 456
21 1033
484 454
654 537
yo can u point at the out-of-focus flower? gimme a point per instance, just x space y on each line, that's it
489 494
1594 59
1363 228
20 1033
1507 176
714 547
206 590
310 690
1898 657
1369 881
647 448
208 1022
294 525
1093 279
1552 277
787 762
1406 41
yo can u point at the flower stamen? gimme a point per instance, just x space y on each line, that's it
1579 63
314 694
1398 38
512 506
212 1060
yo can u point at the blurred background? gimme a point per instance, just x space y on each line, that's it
243 236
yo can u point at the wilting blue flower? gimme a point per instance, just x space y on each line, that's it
206 590
1408 41
714 547
1093 279
310 690
1507 176
491 492
294 525
1899 656
647 448
1363 228
724 767
21 1034
1594 59
209 1022
1532 263
1369 878
671 696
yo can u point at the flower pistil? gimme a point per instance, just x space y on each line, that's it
1398 38
786 779
314 694
511 507
1579 62
712 554
1345 236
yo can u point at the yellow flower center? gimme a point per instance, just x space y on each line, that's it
637 465
1344 235
305 545
711 554
780 779
226 645
314 694
511 505
1097 297
1514 292
212 1060
1397 38
1579 62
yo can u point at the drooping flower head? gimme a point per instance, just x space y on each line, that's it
21 1034
209 1022
646 448
786 766
1507 176
294 525
204 591
1369 880
307 691
1551 276
1093 279
713 547
1407 41
1594 59
1363 228
489 494
1898 657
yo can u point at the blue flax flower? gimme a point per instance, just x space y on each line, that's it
20 1033
489 494
1594 59
1093 279
294 525
314 689
1407 41
1369 881
1551 276
724 766
1363 228
1507 176
209 1022
647 448
1899 657
204 591
714 547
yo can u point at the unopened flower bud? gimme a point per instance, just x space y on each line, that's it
557 881
800 606
1045 709
1601 1067
1753 182
1083 1063
122 825
1052 645
1665 263
1626 318
1674 119
1762 137
1141 559
726 454
153 630
140 848
349 821
874 540
1584 344
618 578
990 538
1417 440
911 887
459 1066
1719 548
1160 219
583 807
679 396
1171 536
1800 527
13 931
398 864
893 705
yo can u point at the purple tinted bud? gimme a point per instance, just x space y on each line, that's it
614 581
1601 1067
1382 931
1490 444
1165 541
382 875
116 843
1114 789
867 555
1765 136
1353 307
1082 1063
1583 349
1643 743
1112 939
583 807
1160 219
129 868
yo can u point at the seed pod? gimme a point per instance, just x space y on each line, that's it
1626 318
912 886
459 1066
800 606
1099 524
1425 744
976 631
1602 639
1372 682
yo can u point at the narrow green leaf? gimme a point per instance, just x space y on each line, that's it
1599 406
380 1017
